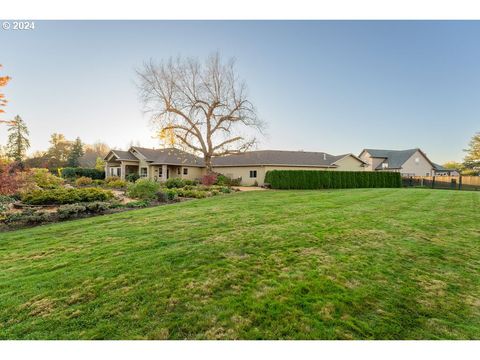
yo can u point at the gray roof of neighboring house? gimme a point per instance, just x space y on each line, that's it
439 167
394 158
170 156
278 157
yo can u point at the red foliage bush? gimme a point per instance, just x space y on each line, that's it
209 179
11 179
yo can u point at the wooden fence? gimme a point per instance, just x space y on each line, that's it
443 182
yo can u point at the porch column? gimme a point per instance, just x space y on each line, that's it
122 171
107 169
164 172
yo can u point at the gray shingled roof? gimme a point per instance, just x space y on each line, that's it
394 158
170 156
278 157
124 155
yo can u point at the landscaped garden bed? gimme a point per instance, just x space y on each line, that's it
47 198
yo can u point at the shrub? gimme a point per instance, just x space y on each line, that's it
65 196
132 177
222 180
112 178
97 206
70 211
82 181
11 179
225 190
208 179
119 184
167 195
75 172
197 194
45 179
311 179
236 182
175 183
138 204
98 182
27 216
144 189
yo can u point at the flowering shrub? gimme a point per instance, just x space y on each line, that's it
209 179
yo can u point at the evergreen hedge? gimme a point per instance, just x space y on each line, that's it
76 172
318 179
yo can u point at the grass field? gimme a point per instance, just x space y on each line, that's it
343 264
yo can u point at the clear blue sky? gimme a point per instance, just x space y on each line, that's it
334 86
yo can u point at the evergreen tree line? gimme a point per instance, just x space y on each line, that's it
61 152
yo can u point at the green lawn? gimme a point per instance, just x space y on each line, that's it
343 264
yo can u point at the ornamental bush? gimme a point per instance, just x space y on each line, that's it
82 181
65 196
175 183
70 211
117 184
314 179
144 189
45 179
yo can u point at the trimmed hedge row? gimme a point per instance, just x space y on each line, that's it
76 172
315 179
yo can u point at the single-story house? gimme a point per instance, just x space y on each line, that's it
410 162
162 164
442 171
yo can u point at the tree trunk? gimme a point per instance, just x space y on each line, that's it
208 164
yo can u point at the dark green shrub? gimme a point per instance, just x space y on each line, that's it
132 177
143 189
65 196
315 179
75 172
70 211
98 182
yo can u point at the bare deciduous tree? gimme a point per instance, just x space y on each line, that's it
205 105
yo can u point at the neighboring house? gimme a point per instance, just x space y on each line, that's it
162 164
411 162
442 171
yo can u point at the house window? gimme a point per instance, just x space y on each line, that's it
143 172
160 171
185 171
178 171
384 165
253 173
417 160
428 174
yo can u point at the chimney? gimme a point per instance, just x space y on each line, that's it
324 156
